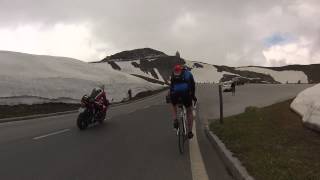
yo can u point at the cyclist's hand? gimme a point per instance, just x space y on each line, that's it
194 98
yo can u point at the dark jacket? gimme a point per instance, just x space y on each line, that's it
233 84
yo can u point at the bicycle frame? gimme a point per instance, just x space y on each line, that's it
182 130
181 115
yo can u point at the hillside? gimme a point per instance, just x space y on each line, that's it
29 79
156 65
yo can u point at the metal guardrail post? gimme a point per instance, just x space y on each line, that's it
221 104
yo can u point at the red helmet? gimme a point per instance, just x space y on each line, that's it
177 69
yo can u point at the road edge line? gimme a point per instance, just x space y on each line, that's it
23 118
238 171
197 165
198 168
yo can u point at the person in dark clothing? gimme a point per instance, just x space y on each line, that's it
130 94
99 97
233 88
182 86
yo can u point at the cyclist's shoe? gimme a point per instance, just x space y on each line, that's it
176 124
190 135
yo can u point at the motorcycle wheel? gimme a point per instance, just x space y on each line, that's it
82 121
102 118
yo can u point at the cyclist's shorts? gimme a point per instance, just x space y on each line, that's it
185 98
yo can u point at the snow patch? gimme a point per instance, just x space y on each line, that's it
127 67
206 74
160 78
279 76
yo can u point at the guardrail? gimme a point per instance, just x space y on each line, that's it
4 120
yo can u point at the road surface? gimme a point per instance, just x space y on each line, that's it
136 142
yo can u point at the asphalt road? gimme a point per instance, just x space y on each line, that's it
136 142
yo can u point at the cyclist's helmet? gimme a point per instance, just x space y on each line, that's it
177 69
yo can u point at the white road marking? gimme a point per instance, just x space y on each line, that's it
198 169
51 134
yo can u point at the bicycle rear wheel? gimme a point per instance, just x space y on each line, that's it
181 136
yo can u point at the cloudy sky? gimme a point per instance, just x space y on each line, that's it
230 32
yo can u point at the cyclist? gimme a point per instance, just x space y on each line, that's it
182 86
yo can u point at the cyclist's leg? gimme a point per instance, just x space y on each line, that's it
190 118
188 105
174 110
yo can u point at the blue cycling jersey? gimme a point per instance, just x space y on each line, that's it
181 84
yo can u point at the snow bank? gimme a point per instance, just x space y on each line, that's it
307 104
26 78
280 76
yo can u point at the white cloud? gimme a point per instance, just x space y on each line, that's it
69 40
291 53
295 19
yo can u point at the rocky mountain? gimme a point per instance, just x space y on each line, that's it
156 66
143 53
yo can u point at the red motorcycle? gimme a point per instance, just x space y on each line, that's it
93 108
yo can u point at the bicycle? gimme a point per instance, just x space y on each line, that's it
181 131
182 128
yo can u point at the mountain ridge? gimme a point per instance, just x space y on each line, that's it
145 65
134 54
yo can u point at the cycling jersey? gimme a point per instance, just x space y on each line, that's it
183 83
182 87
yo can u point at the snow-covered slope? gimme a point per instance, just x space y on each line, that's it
307 104
279 76
205 73
26 78
156 65
129 68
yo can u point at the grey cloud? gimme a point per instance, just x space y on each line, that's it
220 30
